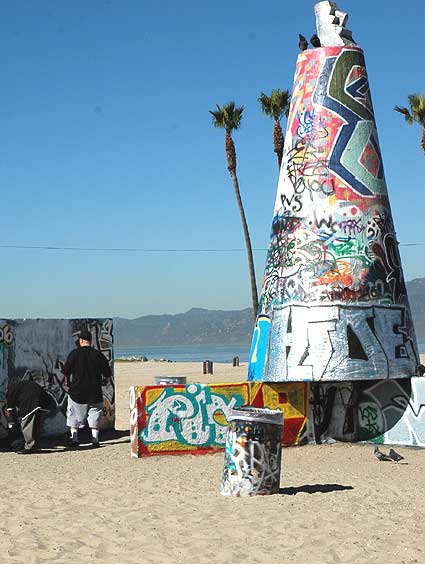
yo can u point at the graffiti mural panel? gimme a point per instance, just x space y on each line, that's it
36 349
382 411
393 413
193 418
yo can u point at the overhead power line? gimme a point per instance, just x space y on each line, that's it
411 244
144 250
122 249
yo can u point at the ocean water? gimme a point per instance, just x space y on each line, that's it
216 353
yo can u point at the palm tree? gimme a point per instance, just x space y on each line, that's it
276 106
416 113
229 117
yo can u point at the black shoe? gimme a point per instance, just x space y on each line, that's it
95 444
25 451
72 445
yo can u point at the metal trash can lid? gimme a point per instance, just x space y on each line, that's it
170 378
260 415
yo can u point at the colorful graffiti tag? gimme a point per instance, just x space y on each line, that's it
194 421
193 418
332 239
382 411
393 413
339 342
6 340
36 349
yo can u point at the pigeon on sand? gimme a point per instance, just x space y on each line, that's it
382 457
395 455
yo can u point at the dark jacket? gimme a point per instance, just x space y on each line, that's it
86 366
25 396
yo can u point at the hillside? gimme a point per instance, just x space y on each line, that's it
195 327
210 327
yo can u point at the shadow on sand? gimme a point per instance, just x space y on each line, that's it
314 488
49 445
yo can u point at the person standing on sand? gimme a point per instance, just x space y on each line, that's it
85 369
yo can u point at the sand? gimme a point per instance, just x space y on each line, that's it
337 503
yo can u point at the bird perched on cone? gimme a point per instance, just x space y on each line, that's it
302 43
382 457
315 41
395 455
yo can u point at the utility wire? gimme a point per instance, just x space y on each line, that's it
123 249
143 250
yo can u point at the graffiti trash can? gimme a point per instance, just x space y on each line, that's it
252 452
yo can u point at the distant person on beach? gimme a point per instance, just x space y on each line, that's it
85 369
27 402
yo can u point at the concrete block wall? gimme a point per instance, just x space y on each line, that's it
36 349
192 419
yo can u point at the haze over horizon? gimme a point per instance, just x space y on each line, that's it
109 145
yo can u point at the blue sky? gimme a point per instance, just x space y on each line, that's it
107 142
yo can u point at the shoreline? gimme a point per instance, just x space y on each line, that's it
142 358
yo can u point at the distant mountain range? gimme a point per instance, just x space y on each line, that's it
195 327
211 327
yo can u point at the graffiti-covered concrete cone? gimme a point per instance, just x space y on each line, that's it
333 303
252 455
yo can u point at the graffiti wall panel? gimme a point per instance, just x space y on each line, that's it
134 394
36 349
6 340
333 241
382 411
393 413
333 412
181 419
292 399
193 418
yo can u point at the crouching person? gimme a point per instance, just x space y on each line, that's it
29 403
86 369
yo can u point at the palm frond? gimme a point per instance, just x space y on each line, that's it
405 112
416 113
417 108
276 105
217 117
266 104
228 116
416 101
280 103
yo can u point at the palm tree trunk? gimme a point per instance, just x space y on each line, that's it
278 141
247 243
423 139
230 153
